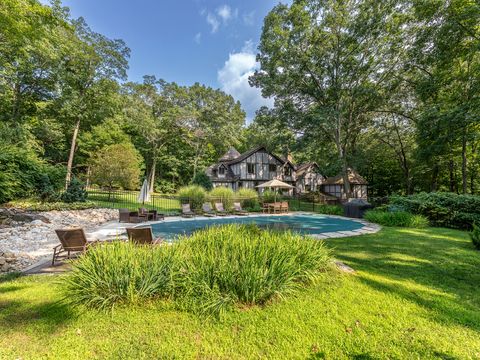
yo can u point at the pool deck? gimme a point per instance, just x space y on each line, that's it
116 230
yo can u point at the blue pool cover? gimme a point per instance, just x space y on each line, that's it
302 223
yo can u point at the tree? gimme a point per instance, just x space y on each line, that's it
92 63
117 165
202 180
330 65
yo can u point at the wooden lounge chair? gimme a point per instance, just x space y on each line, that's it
186 211
276 207
142 236
284 206
125 215
237 207
71 240
207 209
265 208
220 210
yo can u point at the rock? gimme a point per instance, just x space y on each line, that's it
2 261
5 267
23 217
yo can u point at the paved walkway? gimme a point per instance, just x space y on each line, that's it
114 230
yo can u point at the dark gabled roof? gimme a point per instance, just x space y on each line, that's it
353 176
253 151
229 175
231 154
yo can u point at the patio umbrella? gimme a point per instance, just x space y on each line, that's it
144 195
275 184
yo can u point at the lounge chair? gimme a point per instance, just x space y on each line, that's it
71 240
237 207
284 206
207 210
186 211
142 236
220 210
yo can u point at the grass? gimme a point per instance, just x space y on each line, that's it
416 295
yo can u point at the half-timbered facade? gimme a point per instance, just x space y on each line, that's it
250 169
309 179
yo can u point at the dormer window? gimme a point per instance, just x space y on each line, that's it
221 170
287 171
250 168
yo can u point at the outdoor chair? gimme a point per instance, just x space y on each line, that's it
186 211
142 236
237 207
284 206
71 240
220 210
276 207
125 215
207 209
151 215
265 208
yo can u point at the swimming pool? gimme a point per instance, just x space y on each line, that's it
309 224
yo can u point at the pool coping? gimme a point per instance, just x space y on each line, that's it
116 230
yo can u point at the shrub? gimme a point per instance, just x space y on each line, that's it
208 272
329 209
397 218
475 236
46 191
202 180
75 192
35 205
224 195
248 198
442 209
269 196
194 195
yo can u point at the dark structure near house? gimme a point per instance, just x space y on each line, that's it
258 165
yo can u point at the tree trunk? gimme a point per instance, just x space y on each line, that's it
72 154
464 160
346 182
152 175
89 172
451 166
434 186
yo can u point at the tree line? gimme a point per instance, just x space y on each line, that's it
67 109
390 88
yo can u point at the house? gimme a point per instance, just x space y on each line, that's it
334 186
309 178
252 168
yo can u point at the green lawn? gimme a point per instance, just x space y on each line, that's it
416 295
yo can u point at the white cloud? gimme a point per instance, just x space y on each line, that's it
198 38
225 13
233 79
213 22
249 18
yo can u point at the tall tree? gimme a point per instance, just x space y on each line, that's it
333 62
92 64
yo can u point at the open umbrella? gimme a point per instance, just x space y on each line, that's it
275 184
144 195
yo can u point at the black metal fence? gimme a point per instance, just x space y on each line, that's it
171 204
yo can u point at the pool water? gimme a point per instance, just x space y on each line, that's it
303 223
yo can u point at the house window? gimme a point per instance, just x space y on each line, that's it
251 169
272 167
221 170
287 171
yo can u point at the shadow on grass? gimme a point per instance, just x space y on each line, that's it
440 260
46 317
10 277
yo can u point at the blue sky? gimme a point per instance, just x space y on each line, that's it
186 41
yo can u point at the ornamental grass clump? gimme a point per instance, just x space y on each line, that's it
396 218
120 273
207 273
242 264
